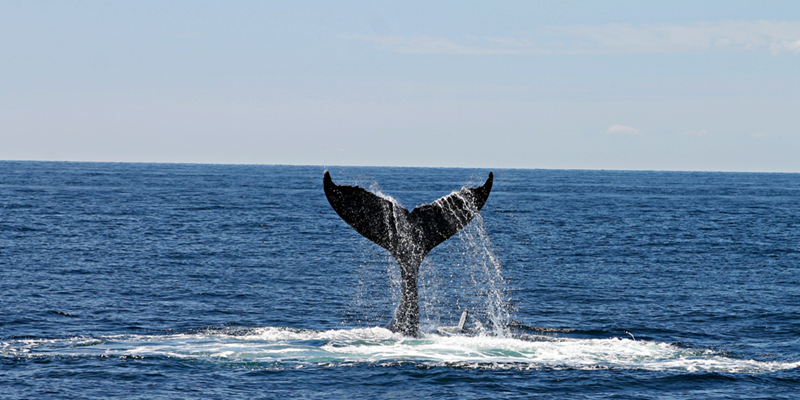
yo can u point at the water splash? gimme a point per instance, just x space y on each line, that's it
461 273
466 274
285 348
378 278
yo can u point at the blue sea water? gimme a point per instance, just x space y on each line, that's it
230 281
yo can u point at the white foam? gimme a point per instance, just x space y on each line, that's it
377 345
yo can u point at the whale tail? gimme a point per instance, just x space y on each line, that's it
408 236
383 221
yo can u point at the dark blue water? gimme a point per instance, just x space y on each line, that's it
213 281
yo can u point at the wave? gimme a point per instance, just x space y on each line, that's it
295 348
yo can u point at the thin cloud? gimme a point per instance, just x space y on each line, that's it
701 132
775 37
418 44
623 129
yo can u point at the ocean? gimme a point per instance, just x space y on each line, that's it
151 281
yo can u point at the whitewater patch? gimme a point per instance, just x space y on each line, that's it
299 348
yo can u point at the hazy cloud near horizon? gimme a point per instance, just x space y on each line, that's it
774 37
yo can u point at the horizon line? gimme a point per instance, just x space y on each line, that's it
326 166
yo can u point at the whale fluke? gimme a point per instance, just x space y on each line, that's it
408 236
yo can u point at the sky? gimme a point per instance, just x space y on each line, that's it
623 85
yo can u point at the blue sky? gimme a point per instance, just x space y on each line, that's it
711 85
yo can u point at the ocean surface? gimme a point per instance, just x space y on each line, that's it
169 281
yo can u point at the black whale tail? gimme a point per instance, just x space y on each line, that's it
384 221
408 236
